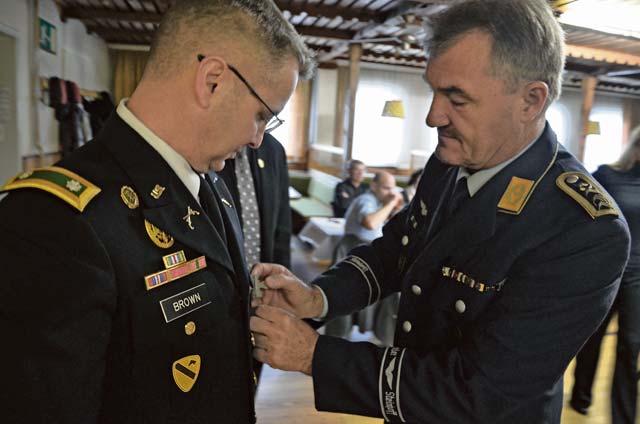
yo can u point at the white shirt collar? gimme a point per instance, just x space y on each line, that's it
479 178
176 162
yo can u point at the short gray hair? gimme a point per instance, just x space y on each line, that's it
189 24
528 42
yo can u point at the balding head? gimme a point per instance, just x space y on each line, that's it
382 185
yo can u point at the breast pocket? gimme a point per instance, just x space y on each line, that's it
180 312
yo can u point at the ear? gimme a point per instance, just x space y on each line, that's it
534 98
208 76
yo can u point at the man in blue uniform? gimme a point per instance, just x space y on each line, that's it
507 259
124 295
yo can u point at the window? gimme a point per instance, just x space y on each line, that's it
604 147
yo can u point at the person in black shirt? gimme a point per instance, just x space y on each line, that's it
622 181
350 188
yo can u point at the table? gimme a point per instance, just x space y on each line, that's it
323 234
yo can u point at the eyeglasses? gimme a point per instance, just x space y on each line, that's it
275 121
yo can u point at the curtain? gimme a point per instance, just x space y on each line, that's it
129 66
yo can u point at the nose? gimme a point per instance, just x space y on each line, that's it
437 115
257 140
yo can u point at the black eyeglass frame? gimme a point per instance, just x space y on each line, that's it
275 121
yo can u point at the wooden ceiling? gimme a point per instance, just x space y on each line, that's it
390 31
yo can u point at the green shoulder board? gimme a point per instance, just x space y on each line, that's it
587 193
60 182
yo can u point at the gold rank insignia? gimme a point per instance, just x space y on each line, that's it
187 217
185 372
516 195
129 197
586 192
60 182
157 191
157 236
260 163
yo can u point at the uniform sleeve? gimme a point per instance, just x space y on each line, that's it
369 273
57 298
282 240
554 300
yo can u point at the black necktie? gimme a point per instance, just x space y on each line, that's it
459 195
210 205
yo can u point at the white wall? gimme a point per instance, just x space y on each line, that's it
327 80
14 20
80 57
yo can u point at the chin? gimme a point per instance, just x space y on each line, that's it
217 165
447 156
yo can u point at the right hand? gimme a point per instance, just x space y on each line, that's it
287 291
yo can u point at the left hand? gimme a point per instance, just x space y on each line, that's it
282 340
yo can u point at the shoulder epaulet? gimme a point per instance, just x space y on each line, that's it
60 182
587 193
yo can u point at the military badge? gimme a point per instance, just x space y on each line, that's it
157 236
129 197
157 191
516 195
226 203
187 217
586 192
185 372
174 259
174 273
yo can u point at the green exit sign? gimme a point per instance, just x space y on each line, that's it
47 35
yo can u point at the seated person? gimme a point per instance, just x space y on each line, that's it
363 223
350 188
412 185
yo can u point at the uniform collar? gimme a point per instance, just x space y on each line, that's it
176 162
478 179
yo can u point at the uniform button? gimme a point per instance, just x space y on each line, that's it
416 290
406 326
460 306
255 379
190 328
405 240
253 340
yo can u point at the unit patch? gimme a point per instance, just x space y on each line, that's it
184 302
60 182
586 192
185 372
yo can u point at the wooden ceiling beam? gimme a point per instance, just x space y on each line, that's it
336 34
330 12
602 55
86 13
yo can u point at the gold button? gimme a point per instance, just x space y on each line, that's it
255 379
405 240
253 340
406 326
417 290
460 306
190 328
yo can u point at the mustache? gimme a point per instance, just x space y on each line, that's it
447 132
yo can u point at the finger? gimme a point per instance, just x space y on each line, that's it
260 325
261 341
282 281
263 270
271 313
260 355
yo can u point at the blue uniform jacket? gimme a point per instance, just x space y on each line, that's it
494 303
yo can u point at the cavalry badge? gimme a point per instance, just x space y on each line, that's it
185 372
586 192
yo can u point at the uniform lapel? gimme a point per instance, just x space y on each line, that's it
234 230
475 220
146 169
